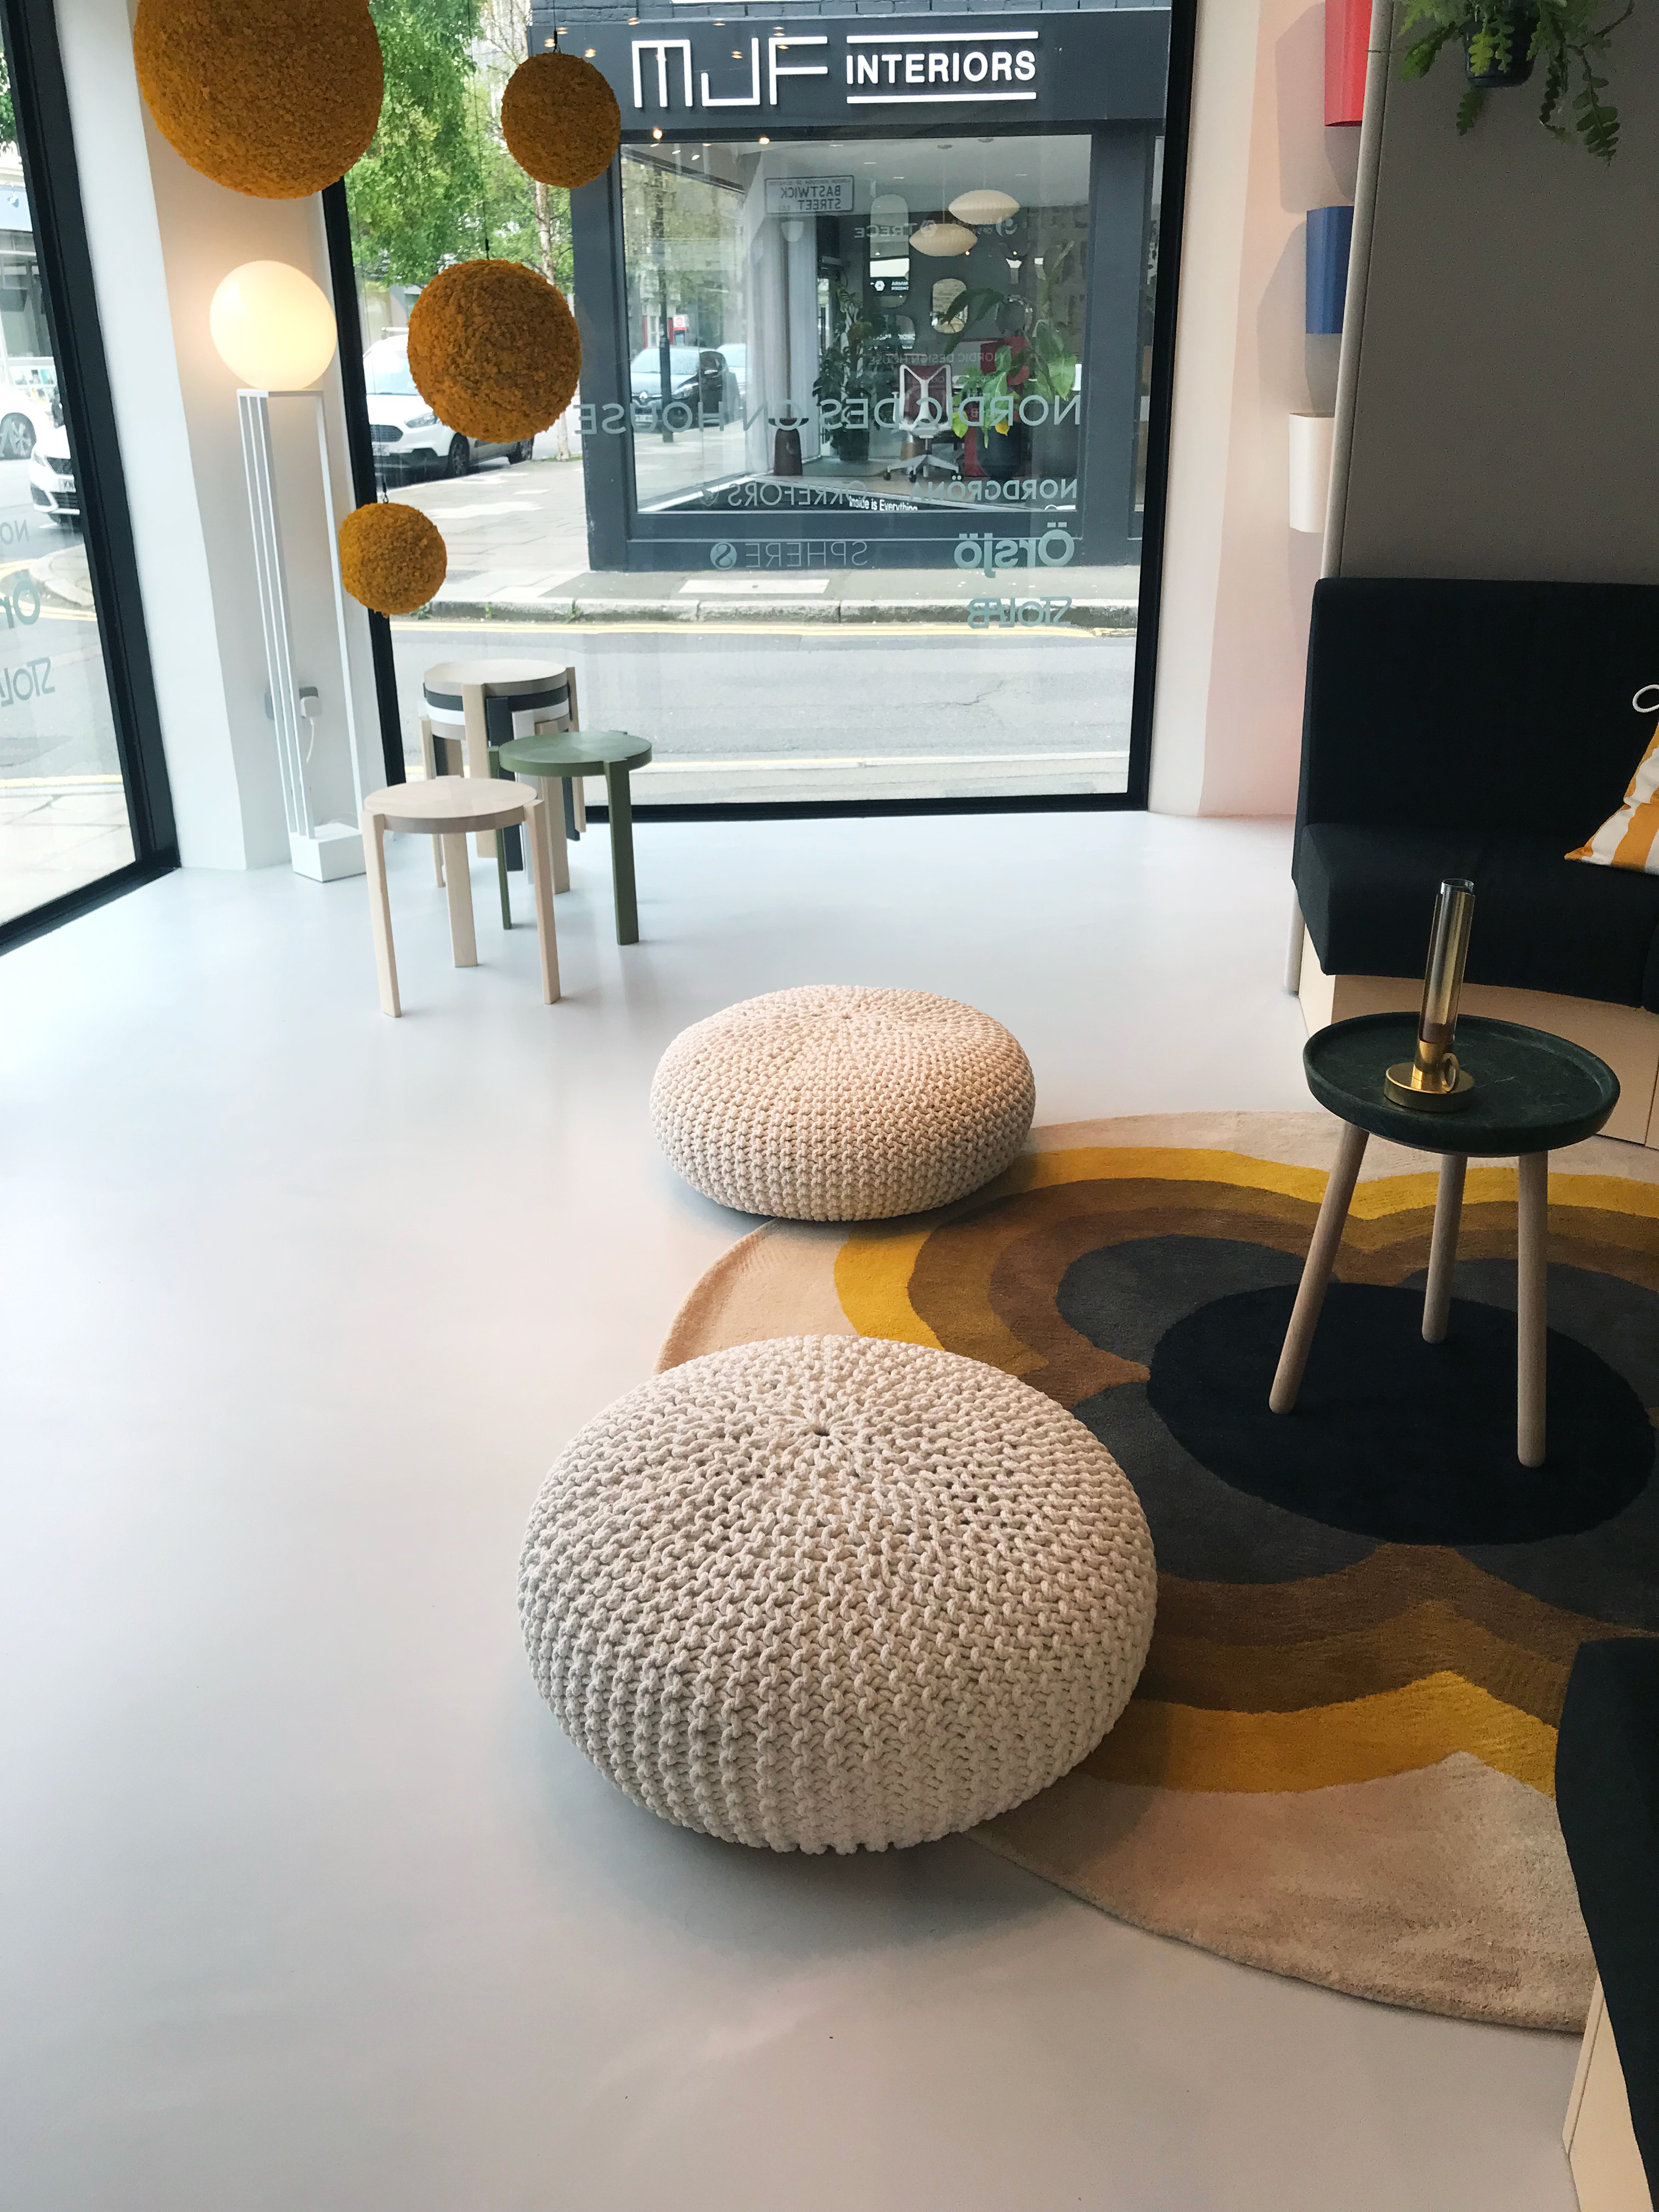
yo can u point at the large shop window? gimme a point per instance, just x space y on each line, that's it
850 506
84 808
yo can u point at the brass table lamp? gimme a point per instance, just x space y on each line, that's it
1431 1081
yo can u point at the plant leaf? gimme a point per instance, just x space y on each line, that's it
1470 108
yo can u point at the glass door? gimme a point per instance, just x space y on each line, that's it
84 810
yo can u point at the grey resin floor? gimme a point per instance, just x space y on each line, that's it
309 1906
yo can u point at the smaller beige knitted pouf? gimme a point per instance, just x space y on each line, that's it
830 1591
839 1103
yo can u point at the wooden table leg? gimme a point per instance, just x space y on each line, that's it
379 913
459 875
622 853
1531 1308
535 838
1443 1252
1316 1274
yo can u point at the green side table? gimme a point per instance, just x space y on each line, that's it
1532 1093
555 756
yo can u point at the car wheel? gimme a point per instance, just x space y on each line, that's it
17 438
521 452
457 461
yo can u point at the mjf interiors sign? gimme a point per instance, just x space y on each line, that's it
691 77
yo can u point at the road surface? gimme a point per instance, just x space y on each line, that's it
774 714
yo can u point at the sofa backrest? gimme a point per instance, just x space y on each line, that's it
1477 705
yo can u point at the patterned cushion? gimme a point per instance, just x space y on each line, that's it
832 1591
1629 838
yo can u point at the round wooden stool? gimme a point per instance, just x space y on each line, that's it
475 704
446 807
551 756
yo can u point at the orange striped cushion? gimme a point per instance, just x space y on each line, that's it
1629 838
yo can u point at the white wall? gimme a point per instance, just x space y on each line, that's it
1504 415
161 238
1237 581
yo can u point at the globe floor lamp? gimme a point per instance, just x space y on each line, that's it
273 327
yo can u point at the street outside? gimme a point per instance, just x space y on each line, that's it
788 686
63 809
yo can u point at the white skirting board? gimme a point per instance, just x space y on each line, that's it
1601 2143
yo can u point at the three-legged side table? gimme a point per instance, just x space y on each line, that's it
1533 1094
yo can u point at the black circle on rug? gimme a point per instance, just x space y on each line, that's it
1395 1438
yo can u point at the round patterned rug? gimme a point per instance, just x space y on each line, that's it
1338 1761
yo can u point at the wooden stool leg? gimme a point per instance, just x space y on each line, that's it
379 913
622 853
535 838
579 802
1531 1308
461 936
429 763
478 748
1443 1252
550 790
501 849
1316 1274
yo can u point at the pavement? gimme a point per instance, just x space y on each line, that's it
517 550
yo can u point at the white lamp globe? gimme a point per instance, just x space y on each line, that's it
984 207
945 241
273 326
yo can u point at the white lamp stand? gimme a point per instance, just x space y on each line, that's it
328 848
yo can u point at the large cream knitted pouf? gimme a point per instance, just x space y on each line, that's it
839 1103
830 1591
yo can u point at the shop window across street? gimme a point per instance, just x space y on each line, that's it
852 505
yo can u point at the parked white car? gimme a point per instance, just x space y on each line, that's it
409 439
52 474
24 421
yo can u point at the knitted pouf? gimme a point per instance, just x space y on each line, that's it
838 1103
828 1591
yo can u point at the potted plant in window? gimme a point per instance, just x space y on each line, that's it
861 364
1049 349
1503 40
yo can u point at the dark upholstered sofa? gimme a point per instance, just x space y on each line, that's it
1479 730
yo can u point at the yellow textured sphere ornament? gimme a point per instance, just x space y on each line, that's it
493 349
392 558
275 99
560 119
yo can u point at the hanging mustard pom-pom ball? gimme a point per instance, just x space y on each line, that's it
392 558
274 98
493 349
560 119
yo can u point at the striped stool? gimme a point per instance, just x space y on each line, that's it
473 705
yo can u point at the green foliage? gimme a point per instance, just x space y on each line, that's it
1567 36
1053 346
417 195
8 119
438 184
861 360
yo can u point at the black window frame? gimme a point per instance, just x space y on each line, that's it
51 178
602 208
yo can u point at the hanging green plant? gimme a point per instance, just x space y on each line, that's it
1503 40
